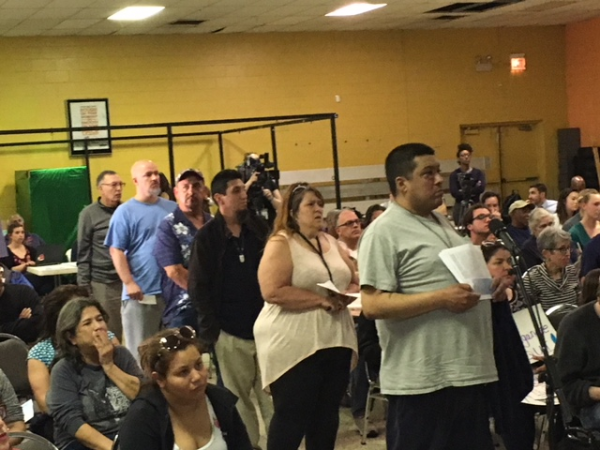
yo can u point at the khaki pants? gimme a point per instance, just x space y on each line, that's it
109 296
240 373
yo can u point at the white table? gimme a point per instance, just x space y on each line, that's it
54 270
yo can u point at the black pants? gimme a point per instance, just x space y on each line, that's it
306 401
448 419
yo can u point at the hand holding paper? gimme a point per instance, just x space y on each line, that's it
468 266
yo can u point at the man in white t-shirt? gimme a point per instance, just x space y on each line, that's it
435 334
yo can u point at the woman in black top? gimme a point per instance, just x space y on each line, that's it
179 409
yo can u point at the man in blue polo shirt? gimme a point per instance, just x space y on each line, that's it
173 247
131 236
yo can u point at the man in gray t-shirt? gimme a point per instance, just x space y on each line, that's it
435 334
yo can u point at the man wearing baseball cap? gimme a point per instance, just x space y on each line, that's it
173 247
519 221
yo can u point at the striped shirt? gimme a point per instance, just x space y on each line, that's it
542 289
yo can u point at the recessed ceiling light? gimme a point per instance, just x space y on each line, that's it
355 9
136 12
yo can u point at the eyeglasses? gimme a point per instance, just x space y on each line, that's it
350 223
562 250
482 217
173 341
114 185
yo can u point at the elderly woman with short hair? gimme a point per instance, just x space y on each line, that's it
554 281
539 220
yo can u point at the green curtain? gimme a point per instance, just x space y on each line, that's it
50 201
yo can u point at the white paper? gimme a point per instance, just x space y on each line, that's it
527 332
28 410
468 266
331 287
148 300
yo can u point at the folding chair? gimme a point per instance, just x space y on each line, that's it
13 362
32 441
373 394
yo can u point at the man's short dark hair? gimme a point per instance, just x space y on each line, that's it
470 214
221 180
462 147
490 194
541 187
100 178
401 162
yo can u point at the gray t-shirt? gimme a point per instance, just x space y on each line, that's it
8 398
399 253
88 396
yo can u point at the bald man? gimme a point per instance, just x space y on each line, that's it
577 183
131 236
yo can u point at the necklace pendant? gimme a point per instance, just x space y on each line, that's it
242 258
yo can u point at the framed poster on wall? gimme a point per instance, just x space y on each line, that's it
89 113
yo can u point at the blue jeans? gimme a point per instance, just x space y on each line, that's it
187 316
590 417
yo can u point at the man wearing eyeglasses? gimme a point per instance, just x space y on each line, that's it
349 231
95 269
476 223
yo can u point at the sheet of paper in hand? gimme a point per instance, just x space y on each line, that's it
467 265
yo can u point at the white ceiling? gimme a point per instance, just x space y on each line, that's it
88 17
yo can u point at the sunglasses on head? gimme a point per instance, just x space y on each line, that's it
173 341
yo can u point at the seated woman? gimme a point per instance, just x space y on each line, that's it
93 382
31 239
42 354
10 409
514 421
555 281
305 337
539 220
21 256
179 410
5 443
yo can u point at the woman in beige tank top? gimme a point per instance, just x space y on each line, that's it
304 335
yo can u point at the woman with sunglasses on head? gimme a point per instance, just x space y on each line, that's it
304 334
178 409
514 421
93 382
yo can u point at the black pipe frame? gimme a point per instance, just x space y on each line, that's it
275 121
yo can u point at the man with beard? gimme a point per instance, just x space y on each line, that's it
223 285
95 269
131 237
173 247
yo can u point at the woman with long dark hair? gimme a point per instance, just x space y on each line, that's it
93 382
178 409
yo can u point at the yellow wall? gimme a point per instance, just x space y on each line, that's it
395 86
583 79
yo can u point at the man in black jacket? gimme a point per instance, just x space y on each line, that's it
223 286
578 353
20 310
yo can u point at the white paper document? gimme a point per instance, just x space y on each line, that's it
331 287
148 300
468 266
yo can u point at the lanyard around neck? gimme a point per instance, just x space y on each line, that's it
319 252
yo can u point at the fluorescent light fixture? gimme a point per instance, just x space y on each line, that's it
136 12
355 9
